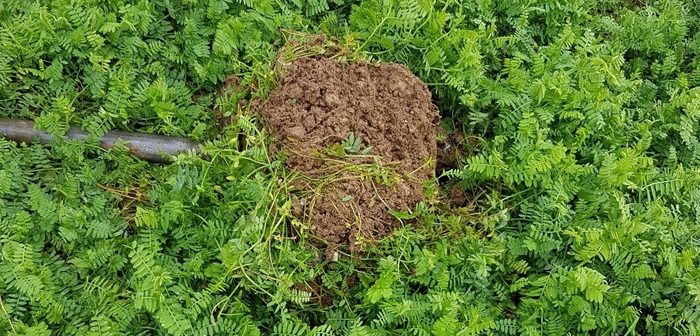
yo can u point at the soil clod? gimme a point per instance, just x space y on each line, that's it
361 136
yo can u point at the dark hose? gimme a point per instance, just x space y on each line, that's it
150 147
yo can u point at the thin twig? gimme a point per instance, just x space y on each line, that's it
9 319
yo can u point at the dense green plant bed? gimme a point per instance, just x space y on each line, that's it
580 129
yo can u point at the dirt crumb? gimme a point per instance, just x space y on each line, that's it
363 138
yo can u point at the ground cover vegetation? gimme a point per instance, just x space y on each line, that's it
576 125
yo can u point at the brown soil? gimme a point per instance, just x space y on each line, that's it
346 196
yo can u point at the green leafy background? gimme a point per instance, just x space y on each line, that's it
582 166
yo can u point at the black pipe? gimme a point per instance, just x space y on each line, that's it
149 147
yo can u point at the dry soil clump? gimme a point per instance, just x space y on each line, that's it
345 192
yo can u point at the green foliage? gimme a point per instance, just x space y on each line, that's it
582 120
588 140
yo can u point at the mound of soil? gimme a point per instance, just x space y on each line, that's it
346 196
